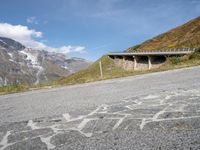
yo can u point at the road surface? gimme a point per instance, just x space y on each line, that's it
152 111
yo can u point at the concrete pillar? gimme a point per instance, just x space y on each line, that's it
135 62
149 62
115 59
124 59
124 62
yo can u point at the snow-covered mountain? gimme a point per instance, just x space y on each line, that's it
19 64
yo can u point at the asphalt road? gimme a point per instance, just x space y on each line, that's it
152 111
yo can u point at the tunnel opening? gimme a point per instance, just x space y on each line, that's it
157 60
142 62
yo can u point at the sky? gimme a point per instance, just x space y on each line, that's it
91 28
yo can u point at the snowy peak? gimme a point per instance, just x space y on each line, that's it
33 62
28 66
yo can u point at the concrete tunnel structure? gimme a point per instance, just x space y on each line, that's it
141 60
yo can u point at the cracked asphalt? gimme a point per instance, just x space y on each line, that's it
152 111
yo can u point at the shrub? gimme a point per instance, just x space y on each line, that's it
195 55
175 60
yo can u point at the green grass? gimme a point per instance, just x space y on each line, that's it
110 70
175 60
187 60
93 72
13 89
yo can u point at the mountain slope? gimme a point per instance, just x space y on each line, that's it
92 73
184 36
187 35
19 64
10 44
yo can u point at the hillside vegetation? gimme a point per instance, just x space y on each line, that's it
111 71
93 72
184 36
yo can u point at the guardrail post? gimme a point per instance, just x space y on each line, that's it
100 67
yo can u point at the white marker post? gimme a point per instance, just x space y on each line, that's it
100 67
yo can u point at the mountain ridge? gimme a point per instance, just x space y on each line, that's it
21 65
8 43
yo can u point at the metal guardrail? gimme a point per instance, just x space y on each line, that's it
161 51
168 50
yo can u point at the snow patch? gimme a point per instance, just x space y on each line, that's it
33 62
30 57
11 57
3 81
64 67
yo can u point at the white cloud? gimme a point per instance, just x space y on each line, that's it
18 32
69 48
29 38
32 19
66 49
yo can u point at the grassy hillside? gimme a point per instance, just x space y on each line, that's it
186 35
93 72
111 71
